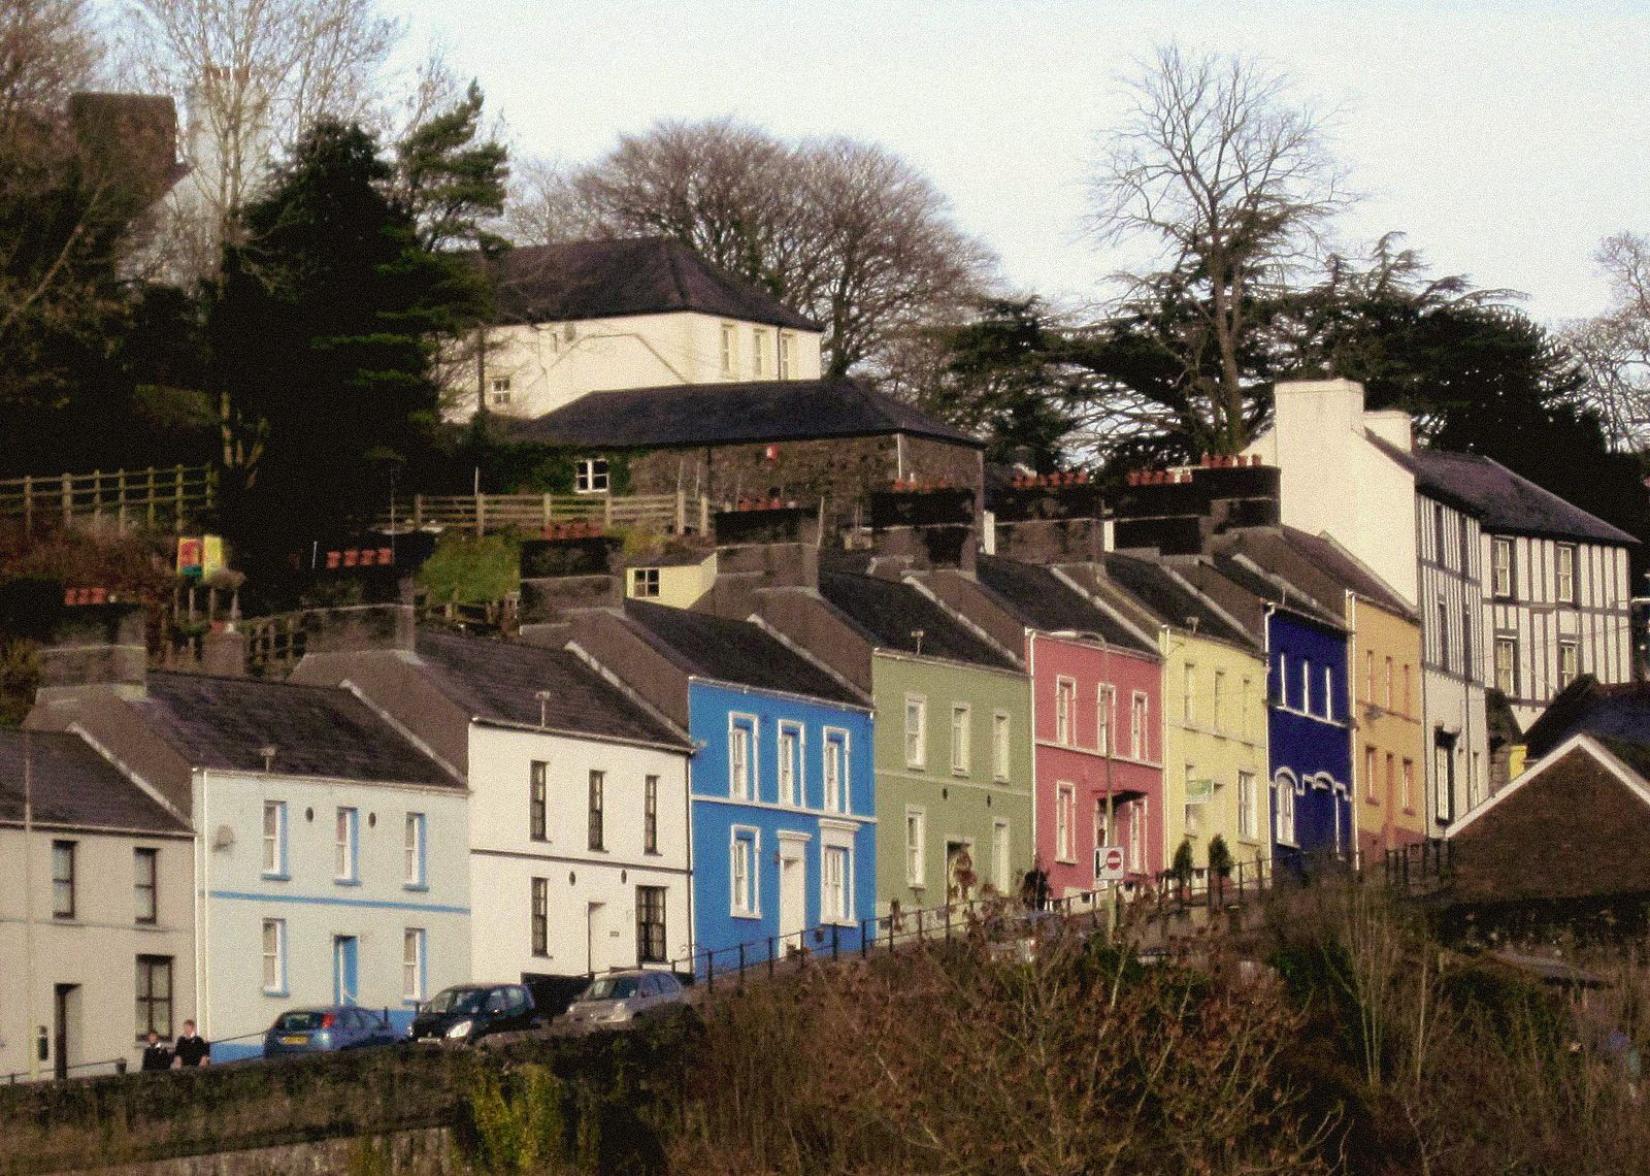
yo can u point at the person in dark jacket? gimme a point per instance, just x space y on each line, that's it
192 1049
155 1055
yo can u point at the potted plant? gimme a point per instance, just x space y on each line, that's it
1181 868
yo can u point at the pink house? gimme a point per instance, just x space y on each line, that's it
1097 717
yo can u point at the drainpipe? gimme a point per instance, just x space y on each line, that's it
1031 685
203 1004
28 901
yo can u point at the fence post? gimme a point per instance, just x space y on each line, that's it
607 511
704 514
741 965
773 950
68 500
836 945
28 505
864 946
177 500
120 499
681 510
481 513
150 507
97 494
710 971
547 512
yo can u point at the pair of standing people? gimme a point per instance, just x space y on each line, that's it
191 1049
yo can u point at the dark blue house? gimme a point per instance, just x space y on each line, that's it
781 784
1308 718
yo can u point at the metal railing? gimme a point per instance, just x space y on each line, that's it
1000 917
480 513
149 497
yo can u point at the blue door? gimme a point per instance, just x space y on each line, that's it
344 963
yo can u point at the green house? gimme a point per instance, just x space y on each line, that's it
952 733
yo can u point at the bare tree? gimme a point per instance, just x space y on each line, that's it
1230 178
845 232
544 208
47 50
253 74
1614 347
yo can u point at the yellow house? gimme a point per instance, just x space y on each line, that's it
1383 671
678 582
1213 708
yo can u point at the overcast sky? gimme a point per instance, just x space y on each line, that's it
1504 138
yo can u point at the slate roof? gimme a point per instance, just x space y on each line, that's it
733 651
1161 594
225 723
890 612
500 680
1285 595
640 275
1618 715
1307 560
1043 601
72 785
1501 500
749 412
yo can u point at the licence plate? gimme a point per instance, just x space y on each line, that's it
294 1041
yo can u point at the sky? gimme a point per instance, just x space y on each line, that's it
1504 139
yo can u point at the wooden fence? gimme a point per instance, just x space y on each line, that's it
128 498
481 513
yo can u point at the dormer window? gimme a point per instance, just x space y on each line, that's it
590 476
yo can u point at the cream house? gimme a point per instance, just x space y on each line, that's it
597 316
97 911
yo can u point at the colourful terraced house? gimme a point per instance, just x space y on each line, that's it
1096 714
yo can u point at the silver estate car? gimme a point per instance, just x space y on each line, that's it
619 998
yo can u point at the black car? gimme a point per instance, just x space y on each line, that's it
465 1013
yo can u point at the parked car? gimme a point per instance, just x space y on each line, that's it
325 1030
621 997
466 1013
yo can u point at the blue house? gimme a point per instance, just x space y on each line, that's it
781 783
1308 718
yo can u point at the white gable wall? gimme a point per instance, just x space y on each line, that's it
549 365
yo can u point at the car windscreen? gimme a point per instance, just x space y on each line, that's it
458 1000
299 1021
612 988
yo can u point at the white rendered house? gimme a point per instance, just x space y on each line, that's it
598 316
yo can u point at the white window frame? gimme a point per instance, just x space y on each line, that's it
274 961
414 964
1001 751
1105 717
916 848
1329 693
1135 851
592 475
759 353
1501 567
1248 808
1218 718
1506 676
1065 711
730 350
1140 706
1002 856
916 737
792 785
962 738
1065 822
745 846
644 583
1564 573
834 769
787 355
1409 785
1569 650
742 786
415 850
1285 831
836 903
1188 694
346 845
274 842
498 391
1306 686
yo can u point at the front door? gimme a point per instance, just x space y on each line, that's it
346 987
793 896
65 1012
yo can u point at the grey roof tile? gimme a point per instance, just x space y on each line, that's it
579 280
1043 601
501 680
225 723
893 613
1166 598
733 651
679 415
72 785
